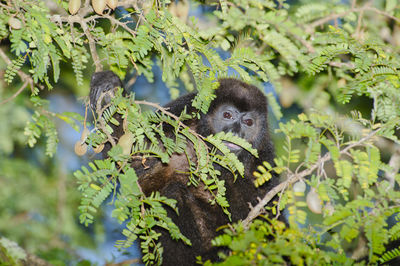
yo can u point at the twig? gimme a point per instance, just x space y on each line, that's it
294 177
24 77
133 79
304 42
353 3
80 19
367 7
5 57
119 23
164 110
383 13
16 93
359 22
342 64
310 28
92 47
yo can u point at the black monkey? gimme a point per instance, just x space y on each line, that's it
238 107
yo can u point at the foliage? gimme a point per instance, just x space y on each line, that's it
38 208
327 58
269 243
356 202
11 252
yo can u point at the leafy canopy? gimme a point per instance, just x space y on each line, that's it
338 62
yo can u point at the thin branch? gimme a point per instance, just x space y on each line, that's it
83 22
92 47
199 137
383 13
16 93
119 23
353 3
342 64
164 110
359 22
294 177
24 77
5 57
304 42
79 18
100 110
310 28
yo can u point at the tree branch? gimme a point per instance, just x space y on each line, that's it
294 177
164 110
366 7
92 47
119 23
24 77
342 64
16 93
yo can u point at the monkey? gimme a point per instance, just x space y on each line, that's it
239 108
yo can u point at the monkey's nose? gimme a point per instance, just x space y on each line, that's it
236 128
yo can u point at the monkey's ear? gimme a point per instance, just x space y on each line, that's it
103 81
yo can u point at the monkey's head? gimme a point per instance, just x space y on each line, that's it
239 108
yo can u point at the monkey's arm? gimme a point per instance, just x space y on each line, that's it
105 81
152 174
149 170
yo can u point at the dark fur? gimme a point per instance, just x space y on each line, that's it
198 220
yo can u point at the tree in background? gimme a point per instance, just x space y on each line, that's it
333 64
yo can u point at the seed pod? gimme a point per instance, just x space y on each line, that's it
99 6
14 23
287 97
313 201
299 186
126 142
80 148
179 9
99 148
73 6
112 4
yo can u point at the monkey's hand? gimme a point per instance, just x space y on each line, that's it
104 81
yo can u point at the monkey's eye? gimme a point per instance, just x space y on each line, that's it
227 115
248 122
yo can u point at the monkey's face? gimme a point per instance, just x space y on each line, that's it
228 118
